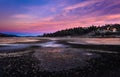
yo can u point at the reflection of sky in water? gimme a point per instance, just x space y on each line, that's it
88 54
52 44
12 47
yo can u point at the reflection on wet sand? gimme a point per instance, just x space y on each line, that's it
54 59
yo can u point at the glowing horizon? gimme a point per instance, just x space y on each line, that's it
35 17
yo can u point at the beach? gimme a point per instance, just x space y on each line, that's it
60 57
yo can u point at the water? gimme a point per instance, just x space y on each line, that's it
52 44
15 47
53 56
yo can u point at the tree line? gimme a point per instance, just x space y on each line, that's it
79 31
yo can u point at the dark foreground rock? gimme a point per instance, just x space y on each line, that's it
107 65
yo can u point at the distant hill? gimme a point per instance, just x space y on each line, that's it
7 35
105 30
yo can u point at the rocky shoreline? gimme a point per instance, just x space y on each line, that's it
72 61
27 64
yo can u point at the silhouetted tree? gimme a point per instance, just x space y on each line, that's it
78 31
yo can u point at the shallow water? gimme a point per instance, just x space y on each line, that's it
52 44
60 58
15 47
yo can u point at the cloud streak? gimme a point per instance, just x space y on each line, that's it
50 16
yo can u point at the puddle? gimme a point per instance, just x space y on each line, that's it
52 44
15 47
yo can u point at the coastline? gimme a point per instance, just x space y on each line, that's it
83 60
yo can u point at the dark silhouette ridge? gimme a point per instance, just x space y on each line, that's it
7 35
105 30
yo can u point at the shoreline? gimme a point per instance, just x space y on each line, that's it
26 64
83 45
35 60
92 46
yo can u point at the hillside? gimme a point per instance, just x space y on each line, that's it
7 35
103 31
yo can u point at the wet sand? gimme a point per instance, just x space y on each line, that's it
51 62
60 62
58 59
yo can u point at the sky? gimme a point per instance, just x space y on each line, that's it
35 17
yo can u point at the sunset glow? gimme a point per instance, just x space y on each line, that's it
35 17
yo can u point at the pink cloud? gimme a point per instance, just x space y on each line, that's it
23 16
51 26
50 18
83 4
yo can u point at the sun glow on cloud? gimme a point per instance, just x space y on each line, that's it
49 16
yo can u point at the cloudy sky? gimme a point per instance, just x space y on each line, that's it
32 17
